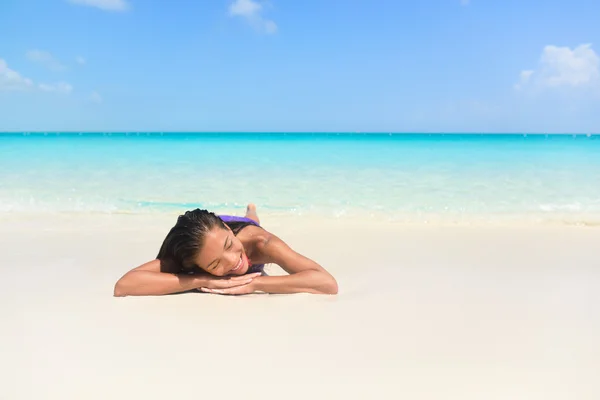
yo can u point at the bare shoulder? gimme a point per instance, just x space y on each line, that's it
265 246
156 265
270 248
153 266
255 237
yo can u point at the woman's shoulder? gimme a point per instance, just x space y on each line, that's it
255 234
256 240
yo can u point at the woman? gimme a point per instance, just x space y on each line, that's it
224 255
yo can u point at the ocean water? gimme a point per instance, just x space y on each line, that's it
417 177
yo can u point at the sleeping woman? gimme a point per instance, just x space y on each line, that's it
224 255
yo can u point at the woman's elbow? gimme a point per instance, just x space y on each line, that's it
333 287
120 289
330 285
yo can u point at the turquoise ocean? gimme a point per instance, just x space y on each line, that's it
412 177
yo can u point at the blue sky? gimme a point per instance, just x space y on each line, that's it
310 65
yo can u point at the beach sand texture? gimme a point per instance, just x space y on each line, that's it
423 312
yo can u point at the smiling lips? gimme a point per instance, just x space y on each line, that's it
238 266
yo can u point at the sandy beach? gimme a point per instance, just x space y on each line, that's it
440 159
423 312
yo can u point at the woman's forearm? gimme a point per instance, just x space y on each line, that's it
149 283
310 281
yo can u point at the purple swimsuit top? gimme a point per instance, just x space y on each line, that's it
233 218
244 222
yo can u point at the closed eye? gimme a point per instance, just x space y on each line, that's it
227 245
215 266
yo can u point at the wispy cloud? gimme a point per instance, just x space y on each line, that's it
80 60
46 59
60 87
563 66
95 97
252 12
106 5
524 79
11 79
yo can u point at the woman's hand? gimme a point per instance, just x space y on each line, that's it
230 285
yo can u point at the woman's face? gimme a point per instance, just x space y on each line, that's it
222 254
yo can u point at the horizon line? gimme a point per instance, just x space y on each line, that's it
168 132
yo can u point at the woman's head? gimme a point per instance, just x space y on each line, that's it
200 240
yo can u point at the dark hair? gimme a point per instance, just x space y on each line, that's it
185 240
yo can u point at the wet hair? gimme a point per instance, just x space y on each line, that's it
185 240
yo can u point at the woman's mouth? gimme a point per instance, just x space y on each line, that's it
238 266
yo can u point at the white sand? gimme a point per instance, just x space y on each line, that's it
423 313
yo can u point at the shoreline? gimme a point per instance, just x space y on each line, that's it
277 219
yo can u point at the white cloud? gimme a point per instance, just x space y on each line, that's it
524 78
270 27
60 87
465 2
561 66
95 97
46 59
525 75
12 80
251 11
80 60
246 8
106 5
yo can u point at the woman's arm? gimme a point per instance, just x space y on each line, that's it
309 281
148 280
305 275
